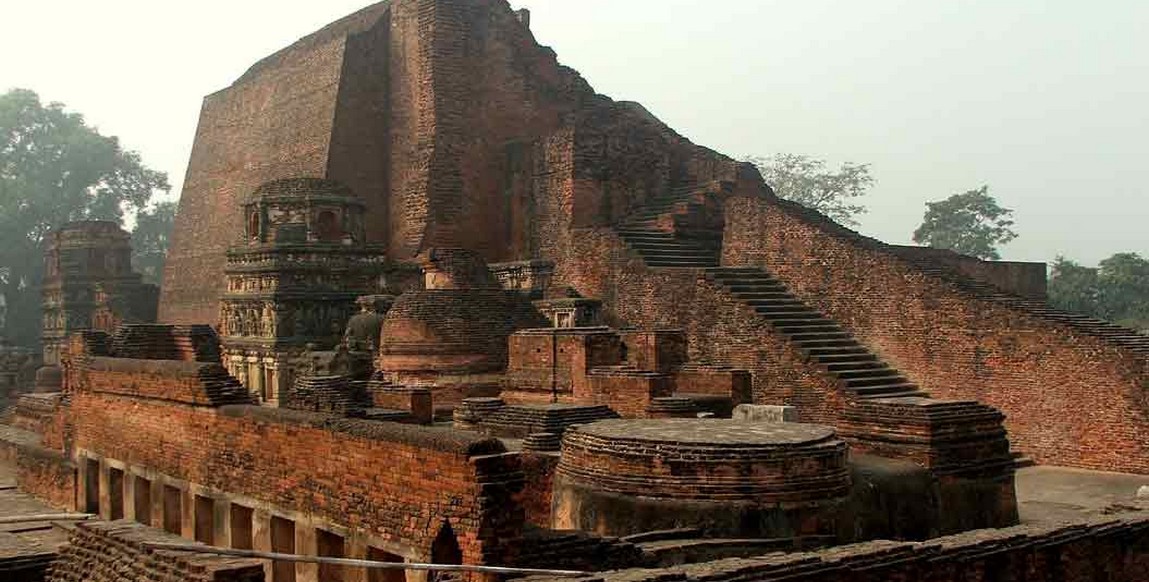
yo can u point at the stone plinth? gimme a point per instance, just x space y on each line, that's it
765 413
946 436
49 379
197 343
336 394
732 479
672 407
661 350
415 400
550 364
492 416
735 383
962 444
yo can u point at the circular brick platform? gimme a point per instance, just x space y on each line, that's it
730 478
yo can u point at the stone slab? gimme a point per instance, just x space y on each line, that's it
765 413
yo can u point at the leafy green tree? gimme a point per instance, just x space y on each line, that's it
971 223
1073 287
54 168
150 240
1125 289
806 180
1117 290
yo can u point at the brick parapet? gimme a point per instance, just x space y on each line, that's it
396 481
955 343
196 383
709 460
1109 549
118 550
947 437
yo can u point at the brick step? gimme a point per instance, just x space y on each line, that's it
720 272
680 265
775 315
683 251
891 377
826 343
659 212
766 296
678 259
742 280
905 394
644 233
776 303
887 390
737 272
651 224
881 369
763 288
786 323
708 260
851 365
672 243
795 327
850 359
779 305
819 335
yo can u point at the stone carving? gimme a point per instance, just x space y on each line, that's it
293 280
362 333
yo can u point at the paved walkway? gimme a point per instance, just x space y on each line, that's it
1058 494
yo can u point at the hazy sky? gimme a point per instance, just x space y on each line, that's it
1044 100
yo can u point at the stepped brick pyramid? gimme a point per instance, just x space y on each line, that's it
456 128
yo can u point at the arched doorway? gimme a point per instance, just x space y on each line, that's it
445 550
327 227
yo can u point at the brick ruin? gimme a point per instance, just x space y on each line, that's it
292 283
88 285
432 299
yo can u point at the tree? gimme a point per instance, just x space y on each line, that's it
1117 290
150 240
806 181
971 223
1073 287
1125 289
54 168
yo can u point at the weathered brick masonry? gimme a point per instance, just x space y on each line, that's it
413 104
457 129
1070 398
397 482
115 551
1104 549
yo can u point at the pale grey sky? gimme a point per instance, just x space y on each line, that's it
1046 101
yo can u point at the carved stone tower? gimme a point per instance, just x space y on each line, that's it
293 281
89 285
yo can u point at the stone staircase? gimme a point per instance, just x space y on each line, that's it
652 233
1111 333
825 343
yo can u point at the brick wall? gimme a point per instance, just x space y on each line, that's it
398 482
539 469
627 392
720 328
1107 549
1069 398
117 550
47 474
1024 279
195 383
275 122
542 360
